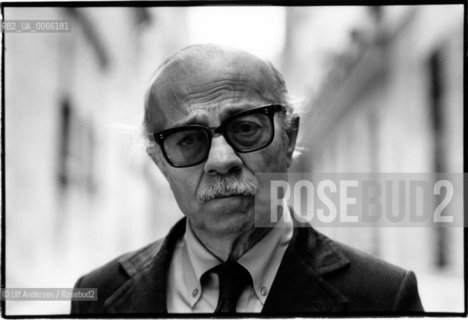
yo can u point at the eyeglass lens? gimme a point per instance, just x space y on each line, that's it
187 146
246 133
249 132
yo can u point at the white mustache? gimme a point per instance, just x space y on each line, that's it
227 186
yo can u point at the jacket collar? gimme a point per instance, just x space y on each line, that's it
145 291
309 257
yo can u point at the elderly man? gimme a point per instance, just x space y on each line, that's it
217 118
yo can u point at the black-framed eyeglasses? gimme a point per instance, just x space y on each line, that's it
246 131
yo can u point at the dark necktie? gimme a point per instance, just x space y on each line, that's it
233 278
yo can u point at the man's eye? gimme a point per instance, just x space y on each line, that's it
188 140
246 128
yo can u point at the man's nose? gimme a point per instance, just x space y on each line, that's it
222 158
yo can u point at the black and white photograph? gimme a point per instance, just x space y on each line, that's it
348 201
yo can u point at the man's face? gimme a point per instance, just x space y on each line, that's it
206 90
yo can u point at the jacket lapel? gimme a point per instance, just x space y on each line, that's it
145 291
299 285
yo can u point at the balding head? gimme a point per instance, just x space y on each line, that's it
209 74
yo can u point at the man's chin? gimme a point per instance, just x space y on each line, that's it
229 214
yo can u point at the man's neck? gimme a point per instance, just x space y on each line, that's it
230 246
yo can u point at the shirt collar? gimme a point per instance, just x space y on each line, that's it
197 260
262 260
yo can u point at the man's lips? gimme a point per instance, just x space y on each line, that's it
236 195
227 196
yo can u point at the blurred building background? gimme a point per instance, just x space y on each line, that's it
390 100
382 91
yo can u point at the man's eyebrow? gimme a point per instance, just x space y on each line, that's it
234 110
203 119
193 119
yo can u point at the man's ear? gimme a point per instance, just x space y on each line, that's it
292 138
152 152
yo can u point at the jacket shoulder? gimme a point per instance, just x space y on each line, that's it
365 262
369 281
108 278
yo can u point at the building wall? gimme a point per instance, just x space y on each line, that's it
374 112
80 189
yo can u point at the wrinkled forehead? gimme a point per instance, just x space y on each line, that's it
210 83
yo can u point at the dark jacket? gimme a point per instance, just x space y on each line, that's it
316 275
